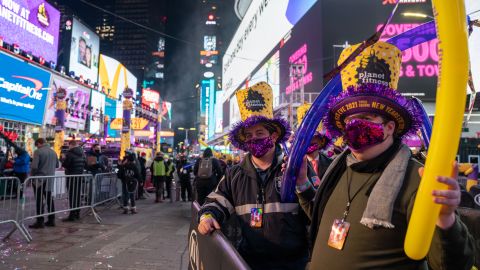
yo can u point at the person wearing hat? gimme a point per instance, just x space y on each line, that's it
360 213
318 162
273 233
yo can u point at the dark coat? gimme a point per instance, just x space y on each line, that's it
74 161
217 173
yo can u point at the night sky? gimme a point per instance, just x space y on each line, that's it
186 22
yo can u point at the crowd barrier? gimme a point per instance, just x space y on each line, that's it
10 189
45 196
211 251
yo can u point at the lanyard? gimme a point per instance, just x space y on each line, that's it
351 198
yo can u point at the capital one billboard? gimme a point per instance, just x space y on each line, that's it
23 91
32 24
264 25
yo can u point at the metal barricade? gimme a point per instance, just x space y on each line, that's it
10 202
51 195
107 188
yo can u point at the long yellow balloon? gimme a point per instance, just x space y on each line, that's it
451 95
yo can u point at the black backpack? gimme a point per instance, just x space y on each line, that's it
205 169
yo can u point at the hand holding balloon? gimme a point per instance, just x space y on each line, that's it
449 199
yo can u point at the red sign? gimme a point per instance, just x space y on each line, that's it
151 98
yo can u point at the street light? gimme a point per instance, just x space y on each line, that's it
416 14
186 133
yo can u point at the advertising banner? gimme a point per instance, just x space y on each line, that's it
151 98
114 77
23 91
84 51
218 112
166 114
263 26
77 99
97 102
33 25
112 112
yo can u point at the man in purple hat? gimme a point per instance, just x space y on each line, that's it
273 233
361 211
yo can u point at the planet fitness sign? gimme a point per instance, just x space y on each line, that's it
23 91
32 24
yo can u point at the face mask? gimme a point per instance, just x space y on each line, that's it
361 134
97 151
259 147
312 148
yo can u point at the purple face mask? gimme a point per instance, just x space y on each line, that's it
259 147
361 134
312 148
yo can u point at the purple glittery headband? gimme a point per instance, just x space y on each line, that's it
237 137
372 98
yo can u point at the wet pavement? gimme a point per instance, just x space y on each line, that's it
155 238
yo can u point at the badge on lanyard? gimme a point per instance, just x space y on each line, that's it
338 234
256 217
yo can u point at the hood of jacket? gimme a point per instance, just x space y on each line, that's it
77 151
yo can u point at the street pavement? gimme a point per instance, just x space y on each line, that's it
155 238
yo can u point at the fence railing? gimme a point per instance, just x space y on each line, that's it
51 195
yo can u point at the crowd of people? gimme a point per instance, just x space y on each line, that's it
352 204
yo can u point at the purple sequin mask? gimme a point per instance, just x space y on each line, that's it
259 147
361 134
312 148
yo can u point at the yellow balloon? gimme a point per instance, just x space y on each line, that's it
451 95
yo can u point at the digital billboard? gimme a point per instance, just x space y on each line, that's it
166 113
302 47
33 25
114 77
218 112
211 111
263 26
77 99
97 102
151 98
419 64
111 110
23 90
84 51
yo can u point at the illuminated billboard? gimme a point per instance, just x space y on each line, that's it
97 102
77 99
166 113
23 90
419 64
270 73
113 109
211 110
33 25
218 112
151 98
84 52
114 77
263 26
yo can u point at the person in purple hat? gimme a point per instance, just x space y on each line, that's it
360 213
273 233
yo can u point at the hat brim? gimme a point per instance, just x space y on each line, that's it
376 99
324 139
237 135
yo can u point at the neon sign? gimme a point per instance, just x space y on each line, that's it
299 57
419 61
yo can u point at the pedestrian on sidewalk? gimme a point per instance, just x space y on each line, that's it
143 173
159 175
170 169
21 166
74 163
129 174
208 173
44 163
183 170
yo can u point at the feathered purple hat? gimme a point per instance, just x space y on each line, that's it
256 107
369 84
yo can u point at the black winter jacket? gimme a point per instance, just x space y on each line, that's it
74 161
283 235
